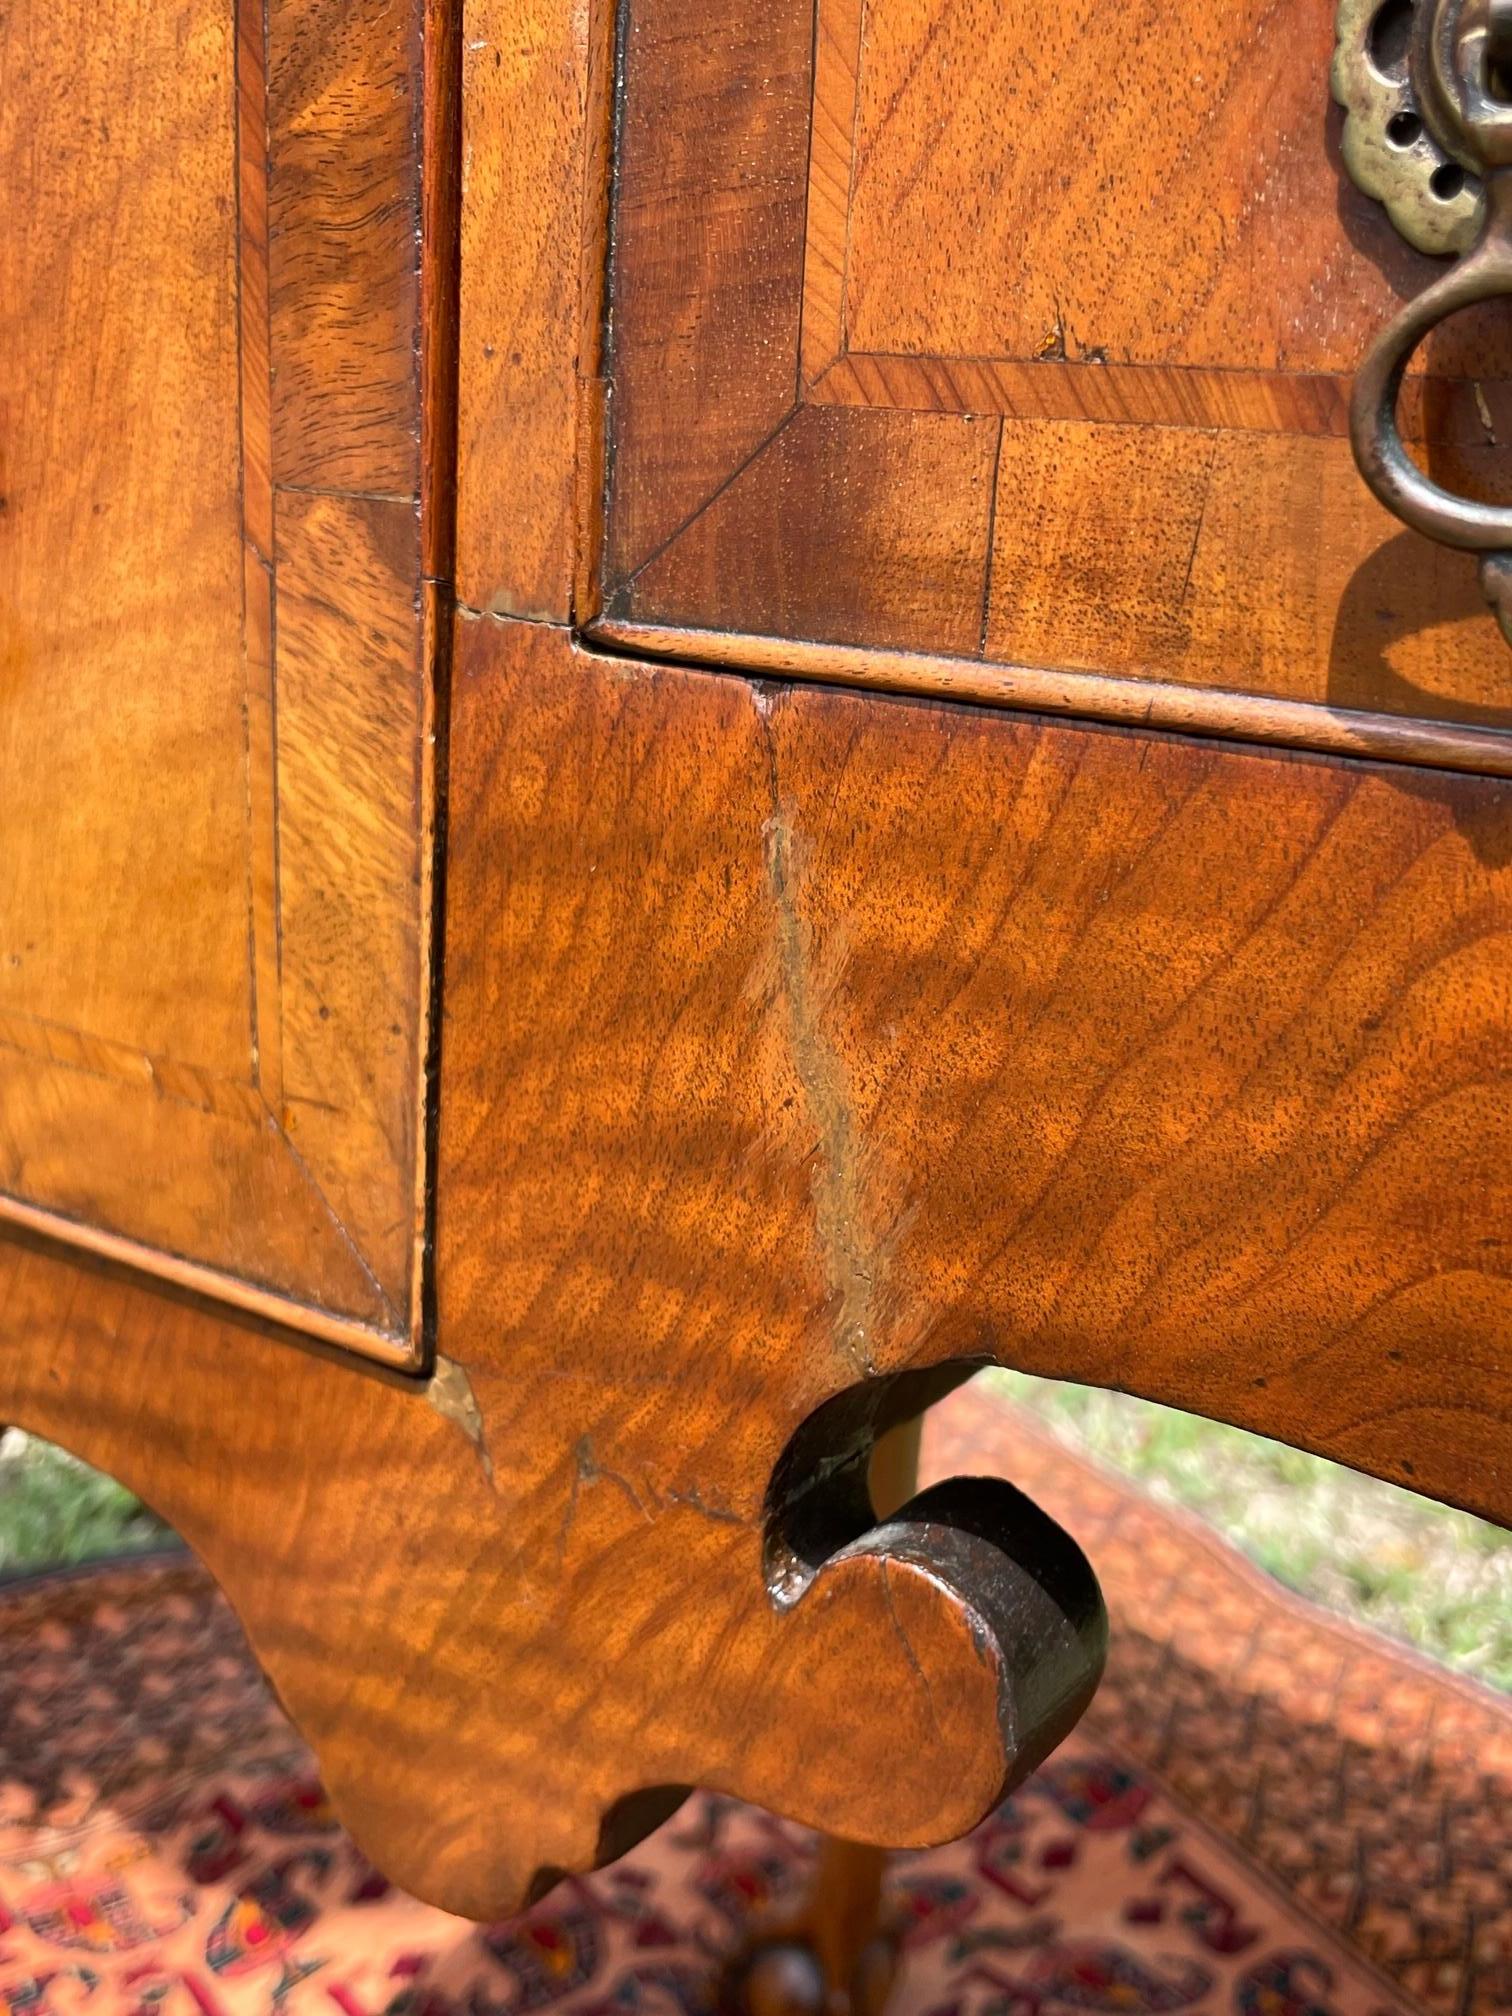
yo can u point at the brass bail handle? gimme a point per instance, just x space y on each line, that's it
1461 69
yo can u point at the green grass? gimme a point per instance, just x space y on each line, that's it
54 1510
1421 1572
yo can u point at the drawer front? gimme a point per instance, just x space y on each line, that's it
214 646
1022 334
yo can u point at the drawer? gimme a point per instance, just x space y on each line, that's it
1020 335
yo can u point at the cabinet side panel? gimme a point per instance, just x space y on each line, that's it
123 847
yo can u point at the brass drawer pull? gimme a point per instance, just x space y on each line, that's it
1427 85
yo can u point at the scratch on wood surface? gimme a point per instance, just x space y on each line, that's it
694 1501
908 1648
591 1471
450 1393
586 1469
850 1265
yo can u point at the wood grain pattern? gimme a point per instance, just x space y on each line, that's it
1249 560
1031 178
1079 227
1156 395
385 1584
1214 711
255 327
120 544
258 597
1078 1031
803 1048
708 230
150 1155
215 735
1253 562
344 114
832 143
352 717
865 489
533 94
440 197
800 1045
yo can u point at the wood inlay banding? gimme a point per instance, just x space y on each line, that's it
1262 402
218 650
1079 236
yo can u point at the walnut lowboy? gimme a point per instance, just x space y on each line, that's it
699 727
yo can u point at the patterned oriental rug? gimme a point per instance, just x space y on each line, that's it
1266 1813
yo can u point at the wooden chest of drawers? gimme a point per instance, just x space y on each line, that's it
701 720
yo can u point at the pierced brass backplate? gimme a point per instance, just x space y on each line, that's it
1393 144
1427 88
